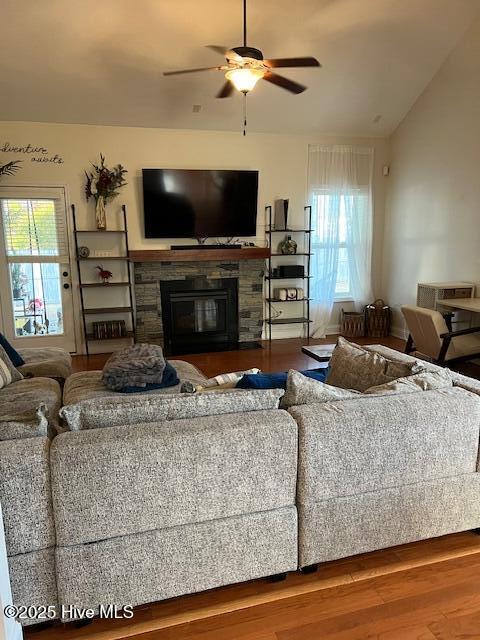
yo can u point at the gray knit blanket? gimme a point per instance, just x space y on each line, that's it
135 366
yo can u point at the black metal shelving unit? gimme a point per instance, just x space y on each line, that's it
99 311
305 254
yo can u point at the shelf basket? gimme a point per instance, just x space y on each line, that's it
352 324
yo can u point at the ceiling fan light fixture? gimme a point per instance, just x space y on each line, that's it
244 79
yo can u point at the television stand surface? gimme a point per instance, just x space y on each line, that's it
205 247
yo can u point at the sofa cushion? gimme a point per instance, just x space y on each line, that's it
341 527
31 427
20 403
372 443
425 381
25 495
87 385
112 412
164 563
8 373
303 390
124 480
353 367
46 362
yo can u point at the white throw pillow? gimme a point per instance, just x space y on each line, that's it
218 383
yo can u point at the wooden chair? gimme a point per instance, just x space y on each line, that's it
430 336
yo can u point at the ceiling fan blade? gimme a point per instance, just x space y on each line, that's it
218 48
284 83
226 90
292 62
176 73
225 52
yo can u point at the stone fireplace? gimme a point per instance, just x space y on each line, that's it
189 307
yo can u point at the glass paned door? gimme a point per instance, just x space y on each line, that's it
37 311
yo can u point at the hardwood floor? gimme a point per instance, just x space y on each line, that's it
426 590
279 356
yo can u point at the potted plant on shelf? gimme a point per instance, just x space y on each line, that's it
103 185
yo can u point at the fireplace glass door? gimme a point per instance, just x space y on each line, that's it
202 313
199 315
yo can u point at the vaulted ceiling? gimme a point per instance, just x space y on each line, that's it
101 62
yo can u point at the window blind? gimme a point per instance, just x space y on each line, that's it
34 227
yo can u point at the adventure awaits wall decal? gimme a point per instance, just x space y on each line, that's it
37 154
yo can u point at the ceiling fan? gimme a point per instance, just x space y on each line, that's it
246 65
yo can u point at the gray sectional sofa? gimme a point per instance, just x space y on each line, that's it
140 512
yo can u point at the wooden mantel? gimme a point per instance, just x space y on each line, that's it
198 255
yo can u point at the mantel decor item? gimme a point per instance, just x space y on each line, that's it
103 185
287 246
104 274
83 252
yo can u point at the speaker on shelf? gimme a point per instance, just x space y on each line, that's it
291 271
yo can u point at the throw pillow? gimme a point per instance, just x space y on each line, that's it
8 373
276 380
12 353
424 381
112 412
304 390
222 381
353 367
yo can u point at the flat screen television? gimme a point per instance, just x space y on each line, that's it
198 203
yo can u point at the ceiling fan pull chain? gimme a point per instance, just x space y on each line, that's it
244 114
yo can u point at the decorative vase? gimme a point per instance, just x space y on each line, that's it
100 214
288 246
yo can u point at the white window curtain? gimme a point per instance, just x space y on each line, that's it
340 191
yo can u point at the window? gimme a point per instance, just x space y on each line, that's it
337 241
340 188
35 247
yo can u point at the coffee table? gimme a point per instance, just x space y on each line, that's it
319 352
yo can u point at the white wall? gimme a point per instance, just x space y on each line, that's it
432 226
280 159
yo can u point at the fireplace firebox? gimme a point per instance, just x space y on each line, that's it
199 314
